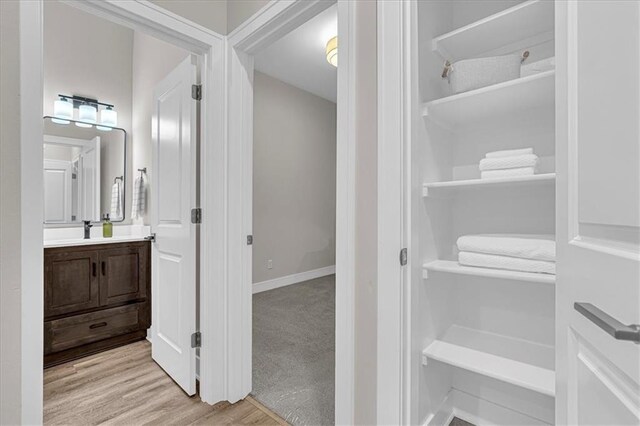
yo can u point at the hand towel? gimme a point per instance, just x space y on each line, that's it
527 160
505 262
525 246
520 171
116 200
509 153
139 204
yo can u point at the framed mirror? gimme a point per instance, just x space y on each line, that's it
84 172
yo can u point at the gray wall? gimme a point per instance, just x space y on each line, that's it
294 180
239 11
366 244
211 14
10 236
153 59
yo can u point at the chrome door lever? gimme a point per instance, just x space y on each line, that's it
609 324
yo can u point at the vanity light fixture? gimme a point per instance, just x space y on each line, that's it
332 51
87 112
62 111
108 117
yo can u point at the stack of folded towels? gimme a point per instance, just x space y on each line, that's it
512 162
525 253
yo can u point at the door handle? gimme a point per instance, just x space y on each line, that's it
609 324
103 266
93 268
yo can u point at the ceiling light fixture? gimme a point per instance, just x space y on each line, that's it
332 51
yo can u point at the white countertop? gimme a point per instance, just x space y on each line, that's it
68 237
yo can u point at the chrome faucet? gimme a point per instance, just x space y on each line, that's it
87 229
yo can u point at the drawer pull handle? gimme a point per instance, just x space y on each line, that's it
98 325
93 268
104 268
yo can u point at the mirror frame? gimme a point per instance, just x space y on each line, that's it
124 186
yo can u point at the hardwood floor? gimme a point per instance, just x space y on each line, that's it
124 386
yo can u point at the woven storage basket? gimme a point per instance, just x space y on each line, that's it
470 74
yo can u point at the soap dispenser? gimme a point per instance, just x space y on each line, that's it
107 226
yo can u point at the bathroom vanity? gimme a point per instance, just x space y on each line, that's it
97 295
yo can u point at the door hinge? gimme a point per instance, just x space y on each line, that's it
403 256
196 92
249 240
196 215
151 237
196 340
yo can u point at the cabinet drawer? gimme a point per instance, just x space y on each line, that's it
78 330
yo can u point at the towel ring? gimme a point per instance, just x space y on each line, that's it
115 179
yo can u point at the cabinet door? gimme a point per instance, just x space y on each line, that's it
71 282
123 274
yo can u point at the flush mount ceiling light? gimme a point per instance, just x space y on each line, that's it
332 51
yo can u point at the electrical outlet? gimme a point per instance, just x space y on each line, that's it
269 264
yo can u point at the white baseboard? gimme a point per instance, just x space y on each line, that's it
293 279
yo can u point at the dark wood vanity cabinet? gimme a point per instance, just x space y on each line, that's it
96 297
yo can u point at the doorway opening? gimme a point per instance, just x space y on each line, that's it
294 221
120 165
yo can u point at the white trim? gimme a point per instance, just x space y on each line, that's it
293 279
144 16
276 19
394 112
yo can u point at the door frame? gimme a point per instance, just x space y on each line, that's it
396 106
271 22
143 16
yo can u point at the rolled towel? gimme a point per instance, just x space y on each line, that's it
528 160
525 246
520 171
509 153
493 261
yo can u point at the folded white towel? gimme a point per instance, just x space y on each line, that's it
116 200
509 153
520 171
505 262
526 246
139 202
527 160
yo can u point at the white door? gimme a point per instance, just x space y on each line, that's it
173 194
57 191
90 180
598 220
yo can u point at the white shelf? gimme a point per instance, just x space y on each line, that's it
493 101
525 25
453 267
435 189
518 362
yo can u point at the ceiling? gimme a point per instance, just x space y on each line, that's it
299 58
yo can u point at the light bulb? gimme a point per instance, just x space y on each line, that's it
62 111
88 114
108 117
